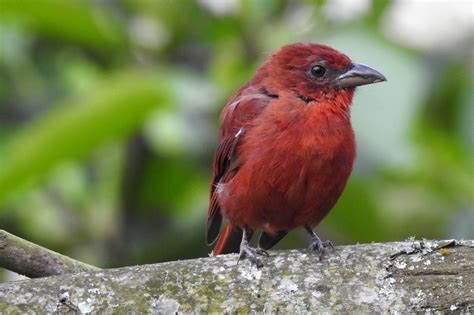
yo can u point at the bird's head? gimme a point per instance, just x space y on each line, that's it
316 72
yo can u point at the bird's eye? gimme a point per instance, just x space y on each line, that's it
318 71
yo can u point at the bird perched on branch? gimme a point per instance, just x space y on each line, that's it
286 149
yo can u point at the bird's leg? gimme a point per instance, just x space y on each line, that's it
247 251
317 244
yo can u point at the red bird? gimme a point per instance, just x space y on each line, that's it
286 149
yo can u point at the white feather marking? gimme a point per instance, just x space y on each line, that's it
220 188
239 133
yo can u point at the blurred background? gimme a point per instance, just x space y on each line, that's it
109 116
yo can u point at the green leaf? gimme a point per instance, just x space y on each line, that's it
113 109
71 20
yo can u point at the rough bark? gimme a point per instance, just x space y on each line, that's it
404 276
34 261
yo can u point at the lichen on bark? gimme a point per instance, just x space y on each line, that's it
403 276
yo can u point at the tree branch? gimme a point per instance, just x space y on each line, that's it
34 261
402 277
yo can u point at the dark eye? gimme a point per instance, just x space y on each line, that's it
318 71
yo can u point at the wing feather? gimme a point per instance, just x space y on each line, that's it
236 116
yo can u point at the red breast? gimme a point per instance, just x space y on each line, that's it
296 158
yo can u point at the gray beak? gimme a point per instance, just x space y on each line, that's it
358 74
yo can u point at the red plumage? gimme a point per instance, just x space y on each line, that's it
286 148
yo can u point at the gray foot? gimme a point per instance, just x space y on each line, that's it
321 246
252 254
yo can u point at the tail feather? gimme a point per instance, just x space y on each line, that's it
228 241
267 240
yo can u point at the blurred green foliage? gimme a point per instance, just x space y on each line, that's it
75 22
75 128
109 116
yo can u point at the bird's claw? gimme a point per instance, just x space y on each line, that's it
252 254
261 251
321 246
